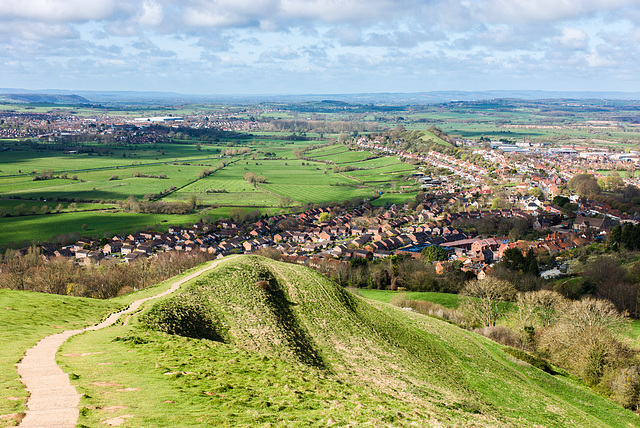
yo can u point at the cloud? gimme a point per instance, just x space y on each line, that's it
152 14
572 39
64 11
346 36
538 11
37 32
283 54
383 44
144 44
215 43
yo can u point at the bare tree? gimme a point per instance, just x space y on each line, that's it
583 339
483 301
538 307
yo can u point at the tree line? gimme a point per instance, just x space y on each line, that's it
61 275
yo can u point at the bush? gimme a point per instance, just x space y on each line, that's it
502 335
625 387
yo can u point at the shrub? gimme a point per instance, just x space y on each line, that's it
502 335
625 387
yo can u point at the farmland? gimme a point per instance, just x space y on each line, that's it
304 151
171 172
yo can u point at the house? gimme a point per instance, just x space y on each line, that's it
112 247
442 267
585 223
363 253
63 252
132 256
81 254
127 249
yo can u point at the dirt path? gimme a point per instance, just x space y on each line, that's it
53 401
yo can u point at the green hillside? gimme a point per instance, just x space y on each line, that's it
287 347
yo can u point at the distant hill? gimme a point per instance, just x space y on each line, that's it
286 346
384 98
43 99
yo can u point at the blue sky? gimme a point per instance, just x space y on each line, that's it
320 46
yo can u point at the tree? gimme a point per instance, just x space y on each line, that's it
483 301
192 202
250 177
612 182
616 234
433 253
531 263
537 192
513 259
538 307
584 184
583 338
324 216
561 201
286 202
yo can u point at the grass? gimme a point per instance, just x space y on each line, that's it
26 317
632 333
445 299
394 198
46 227
307 353
111 177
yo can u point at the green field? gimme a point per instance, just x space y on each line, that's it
30 229
154 169
394 198
306 353
445 299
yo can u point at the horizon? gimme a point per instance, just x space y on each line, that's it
12 95
319 47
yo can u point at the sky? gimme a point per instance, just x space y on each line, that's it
320 46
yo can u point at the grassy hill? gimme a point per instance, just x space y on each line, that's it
26 317
286 347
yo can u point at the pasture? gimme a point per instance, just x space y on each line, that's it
36 228
173 172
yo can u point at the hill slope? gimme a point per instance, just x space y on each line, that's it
285 346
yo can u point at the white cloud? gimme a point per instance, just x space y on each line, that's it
61 11
384 43
506 11
152 14
573 39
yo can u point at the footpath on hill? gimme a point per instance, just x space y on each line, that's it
53 401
